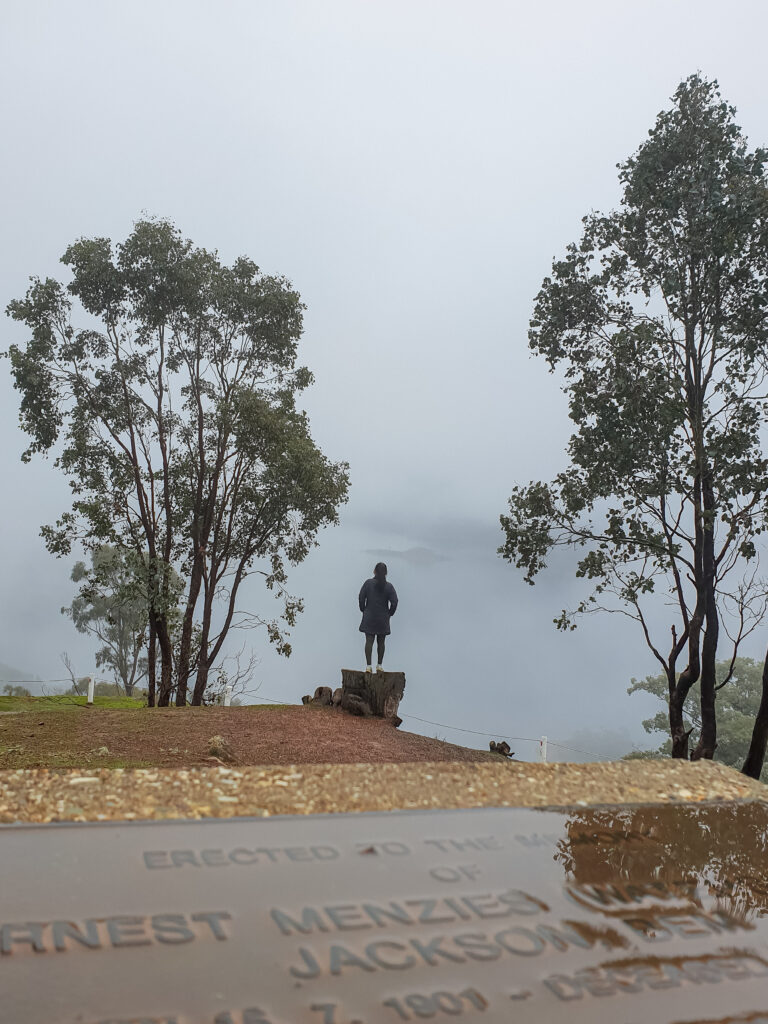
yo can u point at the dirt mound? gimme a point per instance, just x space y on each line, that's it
182 737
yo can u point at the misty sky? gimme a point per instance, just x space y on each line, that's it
412 167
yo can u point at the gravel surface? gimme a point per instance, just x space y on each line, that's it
223 792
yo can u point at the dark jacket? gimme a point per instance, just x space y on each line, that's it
377 604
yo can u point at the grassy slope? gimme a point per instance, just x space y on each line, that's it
61 732
55 740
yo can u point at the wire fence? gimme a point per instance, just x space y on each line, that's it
22 681
476 732
504 736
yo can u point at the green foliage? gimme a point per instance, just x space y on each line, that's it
113 606
656 320
737 704
645 755
613 316
168 382
9 690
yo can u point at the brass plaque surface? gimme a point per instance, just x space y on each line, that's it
626 915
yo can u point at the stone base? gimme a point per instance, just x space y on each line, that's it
372 693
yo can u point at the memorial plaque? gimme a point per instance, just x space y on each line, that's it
639 915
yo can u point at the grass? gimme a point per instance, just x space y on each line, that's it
62 702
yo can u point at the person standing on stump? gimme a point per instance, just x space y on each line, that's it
378 602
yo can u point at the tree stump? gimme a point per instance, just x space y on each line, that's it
372 693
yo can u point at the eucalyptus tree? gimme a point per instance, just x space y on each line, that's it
737 708
111 605
171 390
656 320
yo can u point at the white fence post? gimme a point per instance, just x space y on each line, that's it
91 682
543 749
227 696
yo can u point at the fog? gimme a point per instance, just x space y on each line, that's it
413 168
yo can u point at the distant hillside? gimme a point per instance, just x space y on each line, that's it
8 672
18 676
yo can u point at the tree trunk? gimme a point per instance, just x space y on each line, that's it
677 730
753 765
151 661
374 693
208 656
707 744
678 692
690 674
201 682
166 663
182 674
204 658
